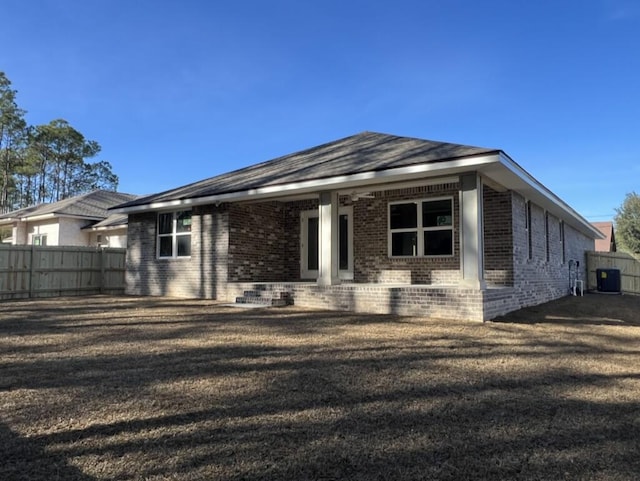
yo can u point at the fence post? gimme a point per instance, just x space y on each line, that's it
102 270
32 270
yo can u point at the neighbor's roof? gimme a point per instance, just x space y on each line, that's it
364 152
92 206
608 243
114 221
369 160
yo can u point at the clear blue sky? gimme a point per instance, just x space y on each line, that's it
177 91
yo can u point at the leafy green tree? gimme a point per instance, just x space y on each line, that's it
12 141
627 221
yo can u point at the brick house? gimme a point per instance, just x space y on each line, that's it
371 223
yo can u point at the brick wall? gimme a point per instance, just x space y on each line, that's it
371 252
498 237
203 275
257 242
544 275
416 300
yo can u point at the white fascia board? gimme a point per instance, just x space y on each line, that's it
54 215
514 177
38 217
342 183
108 227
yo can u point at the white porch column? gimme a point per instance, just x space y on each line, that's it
329 244
471 231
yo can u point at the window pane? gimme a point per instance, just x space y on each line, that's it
312 241
184 245
438 243
166 249
404 244
436 213
344 242
165 223
183 221
403 216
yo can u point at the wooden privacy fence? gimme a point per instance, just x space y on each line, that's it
629 269
31 271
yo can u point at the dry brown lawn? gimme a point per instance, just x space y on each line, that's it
154 389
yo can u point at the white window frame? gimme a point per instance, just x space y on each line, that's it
419 229
41 238
305 215
173 234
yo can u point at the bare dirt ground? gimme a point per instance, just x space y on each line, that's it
155 389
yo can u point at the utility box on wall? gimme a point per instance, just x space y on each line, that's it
608 280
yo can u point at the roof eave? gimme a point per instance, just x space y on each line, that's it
105 227
341 182
508 173
495 166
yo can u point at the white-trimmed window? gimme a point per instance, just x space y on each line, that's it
421 228
39 240
174 234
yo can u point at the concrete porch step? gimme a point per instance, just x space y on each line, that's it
265 298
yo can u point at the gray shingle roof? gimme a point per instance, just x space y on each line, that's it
364 152
114 220
93 205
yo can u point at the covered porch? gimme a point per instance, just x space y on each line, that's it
431 231
339 251
470 233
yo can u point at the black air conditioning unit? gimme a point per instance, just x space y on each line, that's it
608 280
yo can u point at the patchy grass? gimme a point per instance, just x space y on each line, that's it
156 389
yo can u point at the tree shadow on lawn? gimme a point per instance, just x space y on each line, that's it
597 309
326 417
305 427
23 458
448 404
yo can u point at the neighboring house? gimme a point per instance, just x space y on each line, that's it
69 222
371 223
110 232
608 244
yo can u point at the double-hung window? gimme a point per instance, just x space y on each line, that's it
174 234
421 228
